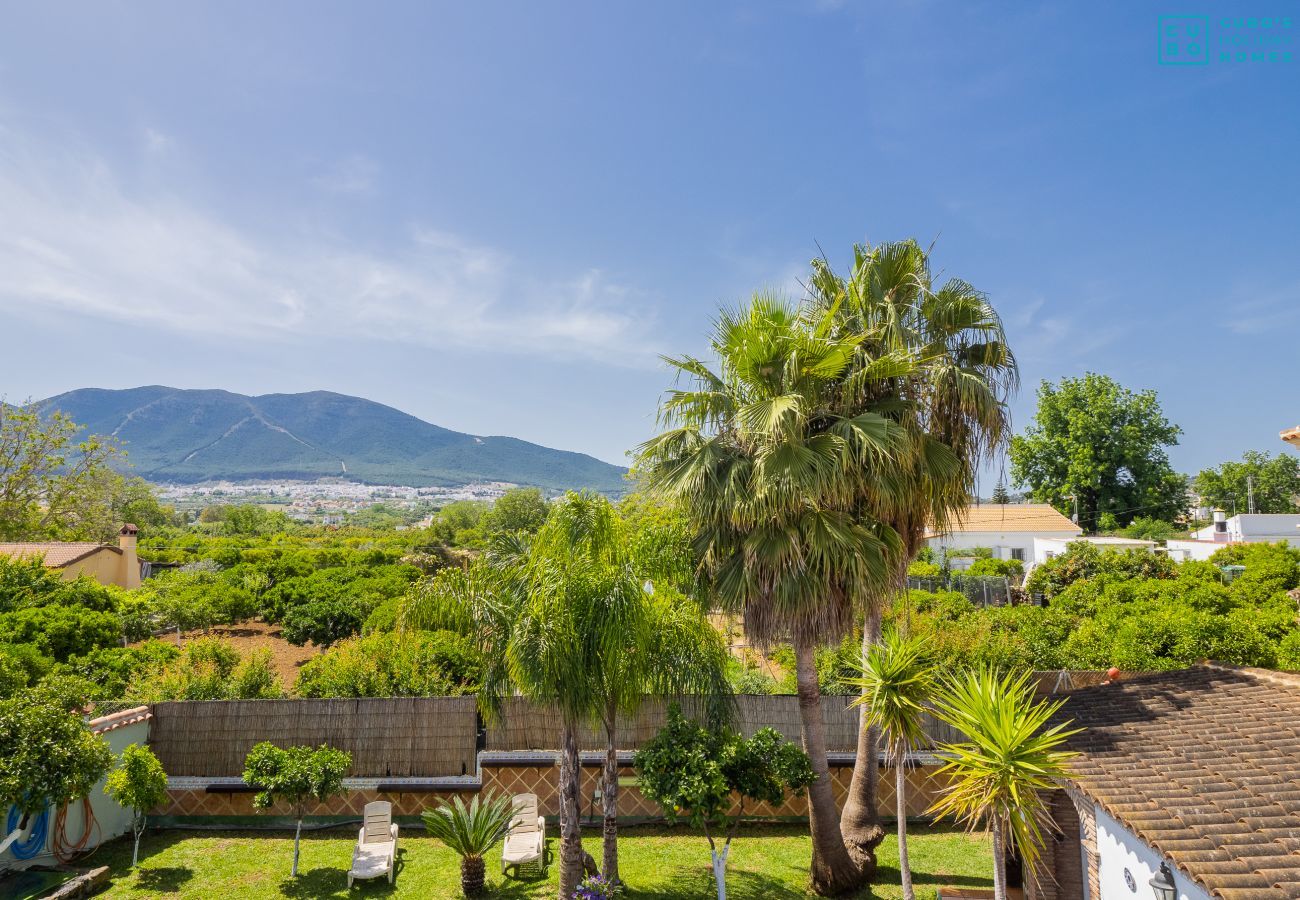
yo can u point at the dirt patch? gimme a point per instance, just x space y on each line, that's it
251 636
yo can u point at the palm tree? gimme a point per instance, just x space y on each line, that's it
588 619
897 682
765 464
471 831
604 628
937 359
1013 755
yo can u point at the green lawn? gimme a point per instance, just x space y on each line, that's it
767 861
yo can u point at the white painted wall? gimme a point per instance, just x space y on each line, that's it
1119 849
1001 542
112 820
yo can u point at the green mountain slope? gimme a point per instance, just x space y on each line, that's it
189 435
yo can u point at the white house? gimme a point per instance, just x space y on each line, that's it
1009 530
1252 529
1184 789
1046 548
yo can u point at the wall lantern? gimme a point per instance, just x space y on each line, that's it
1162 885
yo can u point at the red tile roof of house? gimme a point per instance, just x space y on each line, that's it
54 554
1202 764
1005 517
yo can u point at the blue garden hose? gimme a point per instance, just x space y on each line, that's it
35 842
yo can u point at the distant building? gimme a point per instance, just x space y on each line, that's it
103 562
1008 529
1046 548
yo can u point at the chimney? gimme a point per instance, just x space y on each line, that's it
1220 526
130 560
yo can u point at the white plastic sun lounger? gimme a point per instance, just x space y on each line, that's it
525 842
376 850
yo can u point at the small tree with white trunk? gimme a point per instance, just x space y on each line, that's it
295 776
138 784
708 775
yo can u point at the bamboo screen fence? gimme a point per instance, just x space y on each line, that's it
402 737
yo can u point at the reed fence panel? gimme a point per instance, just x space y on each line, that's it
397 737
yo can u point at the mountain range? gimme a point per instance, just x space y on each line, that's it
186 436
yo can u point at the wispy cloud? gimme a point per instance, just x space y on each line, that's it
74 237
1264 311
354 174
1043 332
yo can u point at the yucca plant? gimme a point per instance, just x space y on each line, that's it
898 681
471 830
1013 754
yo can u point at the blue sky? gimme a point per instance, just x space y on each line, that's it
495 215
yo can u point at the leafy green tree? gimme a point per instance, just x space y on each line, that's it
51 485
708 775
295 776
1001 774
385 664
898 681
1094 440
1005 568
323 622
518 509
61 631
934 359
1144 528
470 830
767 466
138 784
1082 559
1276 483
47 755
1001 494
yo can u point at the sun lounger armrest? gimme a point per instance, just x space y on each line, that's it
541 829
361 836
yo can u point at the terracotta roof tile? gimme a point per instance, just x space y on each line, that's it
1204 765
56 555
1012 517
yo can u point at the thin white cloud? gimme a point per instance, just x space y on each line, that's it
1042 332
355 174
1261 312
74 238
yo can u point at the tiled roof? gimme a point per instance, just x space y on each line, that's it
1012 517
119 719
1202 764
56 555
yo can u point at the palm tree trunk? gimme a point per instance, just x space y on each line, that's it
833 871
570 830
999 863
860 823
609 801
900 804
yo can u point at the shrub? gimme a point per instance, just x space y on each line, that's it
386 664
61 631
323 622
1007 568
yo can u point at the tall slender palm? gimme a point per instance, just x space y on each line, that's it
765 464
897 682
584 618
636 634
1000 775
937 358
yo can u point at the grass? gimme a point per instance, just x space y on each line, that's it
658 863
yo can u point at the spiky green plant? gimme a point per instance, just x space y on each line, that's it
470 830
1014 753
897 683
